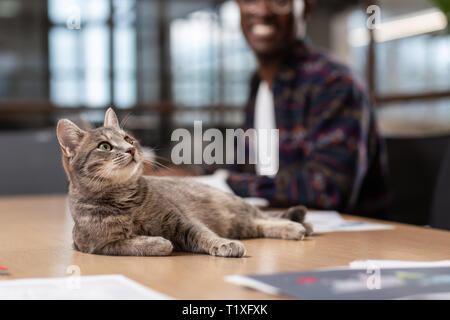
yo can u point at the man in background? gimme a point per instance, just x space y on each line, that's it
330 153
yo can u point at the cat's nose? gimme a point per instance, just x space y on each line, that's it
131 151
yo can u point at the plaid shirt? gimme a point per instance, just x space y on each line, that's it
331 155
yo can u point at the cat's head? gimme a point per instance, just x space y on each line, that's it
101 157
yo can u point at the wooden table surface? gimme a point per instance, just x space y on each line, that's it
35 241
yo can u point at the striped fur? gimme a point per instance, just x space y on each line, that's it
117 211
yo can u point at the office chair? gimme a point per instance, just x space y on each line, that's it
440 212
414 164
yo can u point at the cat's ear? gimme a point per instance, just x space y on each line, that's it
69 136
111 120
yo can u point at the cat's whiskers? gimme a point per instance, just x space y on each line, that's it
125 120
100 173
157 164
162 158
120 160
93 180
99 177
105 173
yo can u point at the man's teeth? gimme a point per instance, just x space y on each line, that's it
263 30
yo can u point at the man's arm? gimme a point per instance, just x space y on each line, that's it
333 157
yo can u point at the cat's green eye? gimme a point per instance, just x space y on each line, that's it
105 146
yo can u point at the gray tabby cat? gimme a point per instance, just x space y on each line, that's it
117 211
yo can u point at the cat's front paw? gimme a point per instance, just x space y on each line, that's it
227 248
293 231
297 214
158 246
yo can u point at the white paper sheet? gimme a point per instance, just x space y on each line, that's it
251 283
331 221
218 180
104 287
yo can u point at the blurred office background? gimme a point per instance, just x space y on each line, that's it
165 63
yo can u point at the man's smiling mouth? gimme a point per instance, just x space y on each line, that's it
263 30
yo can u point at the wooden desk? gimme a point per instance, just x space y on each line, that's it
35 241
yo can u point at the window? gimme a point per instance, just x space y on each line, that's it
118 61
210 61
23 60
412 64
94 65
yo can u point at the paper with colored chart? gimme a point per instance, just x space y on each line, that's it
354 284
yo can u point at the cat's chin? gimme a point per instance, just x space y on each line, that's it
131 171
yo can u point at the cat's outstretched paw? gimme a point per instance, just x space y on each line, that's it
227 248
158 246
293 231
297 214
